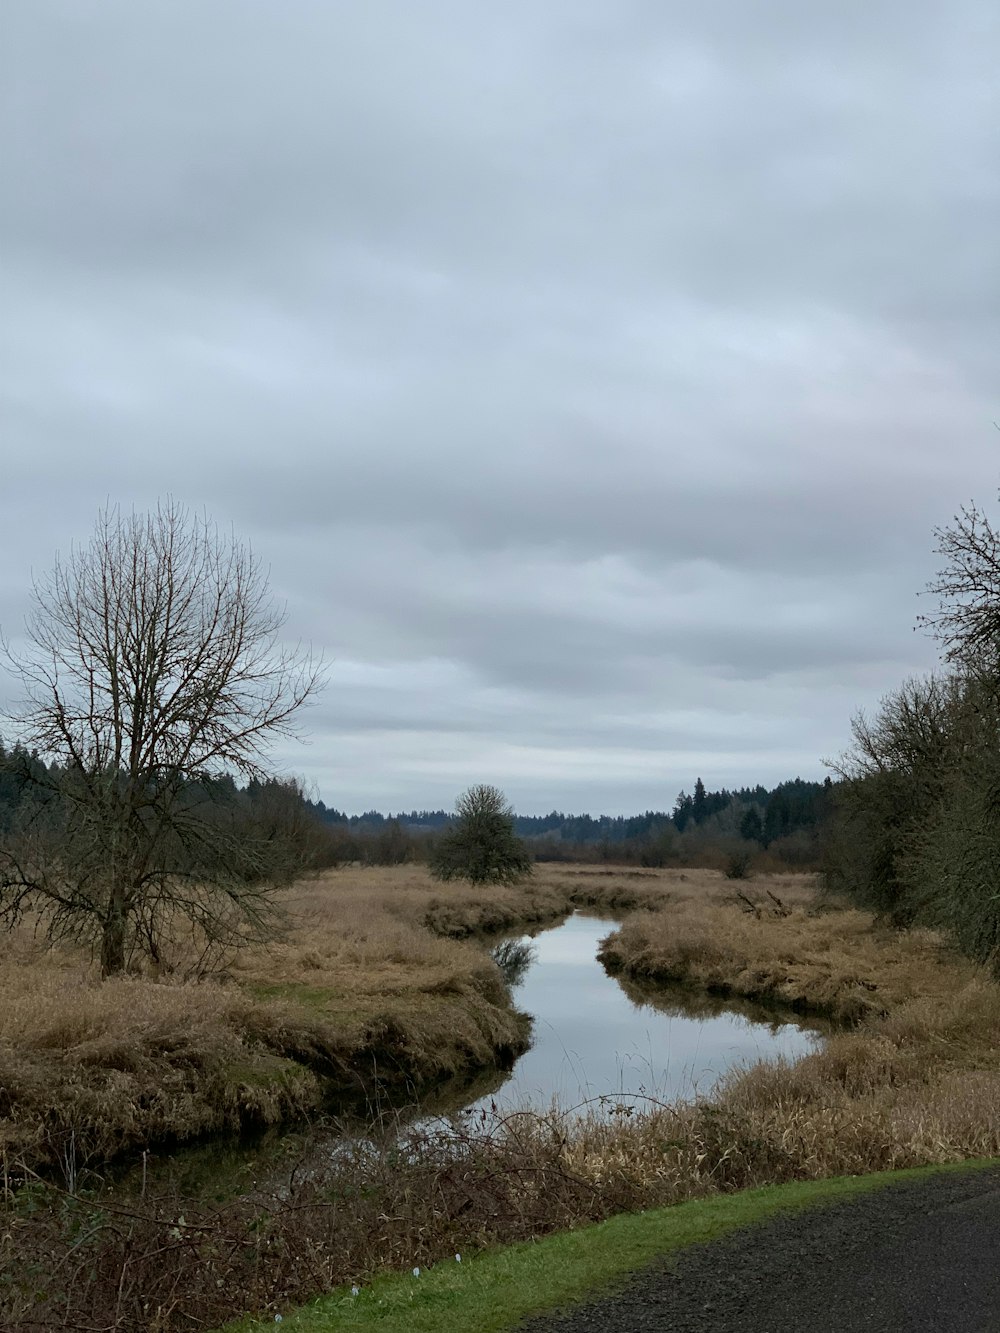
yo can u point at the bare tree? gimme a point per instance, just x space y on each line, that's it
481 845
967 619
153 676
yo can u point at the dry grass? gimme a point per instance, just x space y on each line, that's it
915 1081
359 992
834 962
378 979
916 1087
900 1094
374 980
93 1070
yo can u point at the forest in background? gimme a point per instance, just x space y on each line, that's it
783 826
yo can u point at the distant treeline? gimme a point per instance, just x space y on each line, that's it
779 827
251 820
786 821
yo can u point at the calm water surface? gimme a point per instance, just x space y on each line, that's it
595 1035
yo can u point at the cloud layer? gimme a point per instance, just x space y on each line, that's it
591 376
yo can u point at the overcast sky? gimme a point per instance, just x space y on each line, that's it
591 376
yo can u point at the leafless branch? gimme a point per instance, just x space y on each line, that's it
154 672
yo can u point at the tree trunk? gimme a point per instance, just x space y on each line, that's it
113 934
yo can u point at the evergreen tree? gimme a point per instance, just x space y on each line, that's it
699 806
683 807
751 826
777 816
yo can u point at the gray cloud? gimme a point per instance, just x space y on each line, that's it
591 376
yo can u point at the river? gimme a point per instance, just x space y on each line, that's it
596 1036
597 1041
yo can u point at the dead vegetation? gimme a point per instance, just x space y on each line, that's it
781 947
914 1081
378 981
358 994
920 1086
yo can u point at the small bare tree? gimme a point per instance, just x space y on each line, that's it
153 675
481 845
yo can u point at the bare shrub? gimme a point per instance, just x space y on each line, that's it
481 846
739 865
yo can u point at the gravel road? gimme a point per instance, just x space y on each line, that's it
906 1259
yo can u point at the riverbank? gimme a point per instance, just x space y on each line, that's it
638 1271
360 996
334 1219
916 1081
837 962
379 986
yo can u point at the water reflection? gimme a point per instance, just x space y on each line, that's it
513 958
599 1036
594 1036
681 1001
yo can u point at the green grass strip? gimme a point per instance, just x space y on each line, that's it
497 1288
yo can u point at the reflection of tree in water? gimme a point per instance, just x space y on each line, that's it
679 1001
513 958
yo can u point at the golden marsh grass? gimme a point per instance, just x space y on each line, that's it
377 961
380 972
